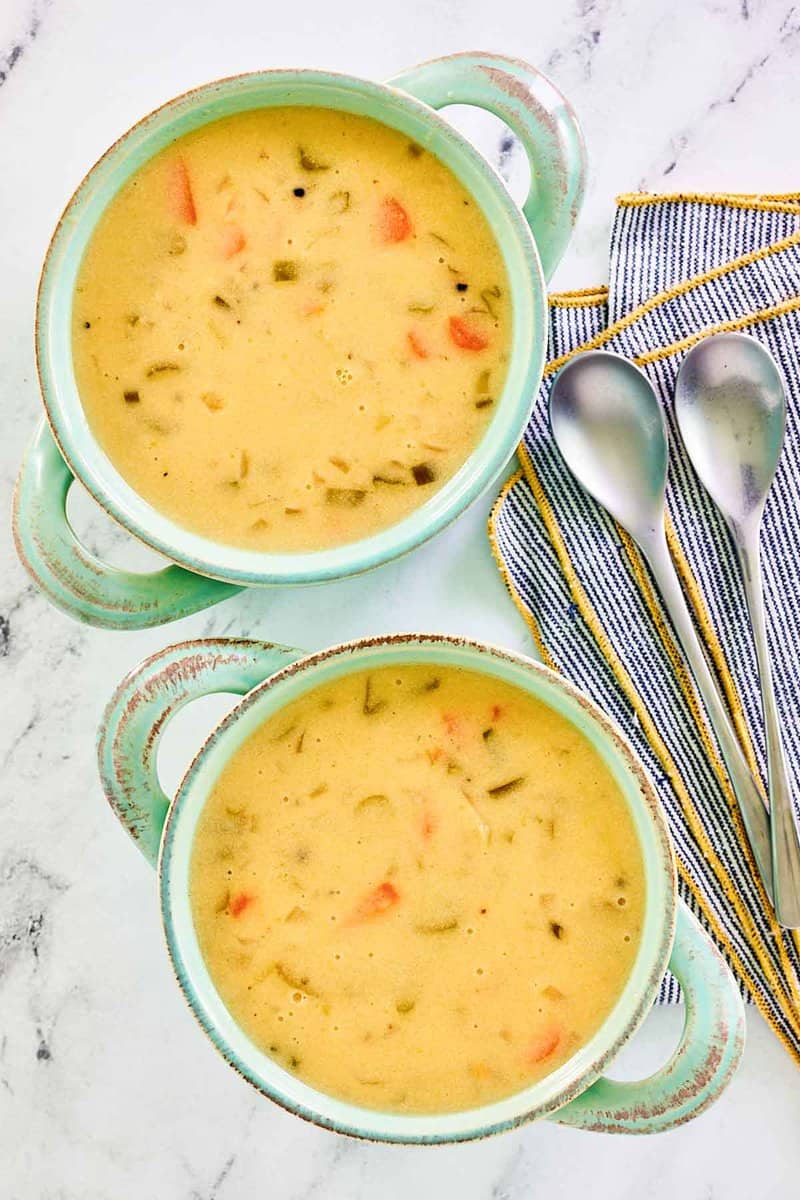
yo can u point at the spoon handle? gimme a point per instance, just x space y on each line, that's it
751 804
785 844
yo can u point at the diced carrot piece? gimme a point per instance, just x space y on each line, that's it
497 711
233 240
452 723
313 308
543 1046
239 903
394 221
466 336
376 903
418 347
179 193
428 825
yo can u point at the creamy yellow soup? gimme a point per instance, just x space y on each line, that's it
418 889
290 328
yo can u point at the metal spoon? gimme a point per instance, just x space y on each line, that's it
731 410
608 424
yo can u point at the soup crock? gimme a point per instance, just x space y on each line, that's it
577 1093
203 572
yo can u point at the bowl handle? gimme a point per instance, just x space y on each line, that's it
541 118
710 1048
75 580
144 702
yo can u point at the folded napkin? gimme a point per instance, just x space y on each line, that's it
681 267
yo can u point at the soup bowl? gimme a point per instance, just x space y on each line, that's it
531 240
577 1092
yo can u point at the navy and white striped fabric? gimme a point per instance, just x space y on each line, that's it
680 267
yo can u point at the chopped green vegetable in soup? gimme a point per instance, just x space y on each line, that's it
433 905
303 286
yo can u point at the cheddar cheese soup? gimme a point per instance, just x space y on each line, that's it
418 889
290 328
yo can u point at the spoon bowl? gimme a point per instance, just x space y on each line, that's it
609 426
731 410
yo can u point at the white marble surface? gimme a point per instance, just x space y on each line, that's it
107 1089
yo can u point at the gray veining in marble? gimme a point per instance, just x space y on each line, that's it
107 1088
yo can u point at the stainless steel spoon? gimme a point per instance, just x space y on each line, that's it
731 410
609 426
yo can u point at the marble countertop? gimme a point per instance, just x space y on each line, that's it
107 1088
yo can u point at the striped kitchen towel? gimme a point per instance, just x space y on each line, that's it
681 267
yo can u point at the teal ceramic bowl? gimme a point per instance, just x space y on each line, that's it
531 240
577 1093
